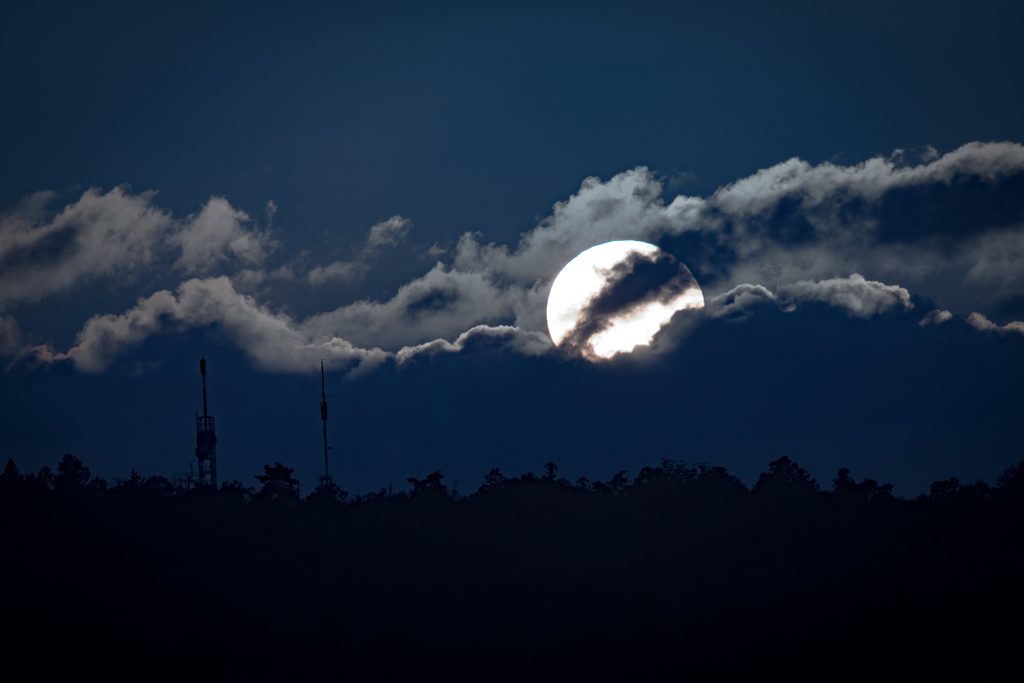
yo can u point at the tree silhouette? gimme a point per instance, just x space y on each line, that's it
328 495
1011 481
278 484
681 569
11 475
235 492
785 479
430 483
944 489
845 486
72 475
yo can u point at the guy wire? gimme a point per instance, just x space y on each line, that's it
298 432
353 452
338 459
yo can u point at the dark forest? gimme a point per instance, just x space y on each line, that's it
682 571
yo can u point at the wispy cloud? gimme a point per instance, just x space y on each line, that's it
383 235
270 338
936 317
116 235
273 341
860 298
980 322
738 303
217 234
786 236
12 339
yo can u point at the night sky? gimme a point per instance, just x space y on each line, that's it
393 187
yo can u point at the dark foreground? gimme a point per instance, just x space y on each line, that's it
681 573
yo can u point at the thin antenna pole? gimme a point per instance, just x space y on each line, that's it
202 371
323 416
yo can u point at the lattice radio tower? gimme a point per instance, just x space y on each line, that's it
325 480
206 440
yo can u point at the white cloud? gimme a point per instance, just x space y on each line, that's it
861 298
218 233
389 233
270 339
339 270
828 184
980 322
293 270
116 235
441 304
745 259
835 205
113 235
996 259
628 206
737 302
503 336
248 279
37 356
936 317
12 339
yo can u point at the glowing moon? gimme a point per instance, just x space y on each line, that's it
617 296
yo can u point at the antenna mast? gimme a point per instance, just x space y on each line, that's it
202 371
326 479
206 440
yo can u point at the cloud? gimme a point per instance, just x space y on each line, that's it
38 356
780 236
827 184
628 206
736 304
502 336
293 270
272 339
113 235
383 235
788 223
116 235
980 322
794 222
996 260
12 339
269 338
389 233
218 233
936 317
443 303
861 298
339 270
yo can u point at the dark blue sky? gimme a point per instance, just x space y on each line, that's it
460 118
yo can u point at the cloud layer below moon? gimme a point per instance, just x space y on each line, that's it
862 238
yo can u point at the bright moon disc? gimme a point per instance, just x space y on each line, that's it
586 300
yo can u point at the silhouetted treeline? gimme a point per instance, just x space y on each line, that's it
682 572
